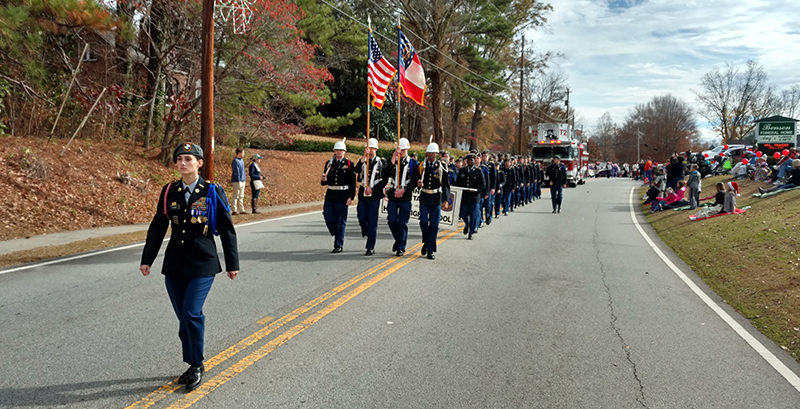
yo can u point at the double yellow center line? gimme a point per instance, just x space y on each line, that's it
237 368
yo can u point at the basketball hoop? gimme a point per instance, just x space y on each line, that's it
238 11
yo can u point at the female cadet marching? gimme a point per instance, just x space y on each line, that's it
197 210
339 175
371 171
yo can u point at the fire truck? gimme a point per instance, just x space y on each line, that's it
560 140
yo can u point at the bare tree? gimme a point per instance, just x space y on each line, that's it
667 125
790 102
733 97
604 137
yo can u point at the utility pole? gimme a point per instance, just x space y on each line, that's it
207 92
638 142
521 82
566 102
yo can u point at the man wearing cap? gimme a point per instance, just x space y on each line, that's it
197 210
472 180
557 174
489 200
371 172
498 193
402 179
238 179
508 182
339 175
434 183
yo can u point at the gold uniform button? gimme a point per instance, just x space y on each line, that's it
184 231
181 241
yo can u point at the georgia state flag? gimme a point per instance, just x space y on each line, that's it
412 77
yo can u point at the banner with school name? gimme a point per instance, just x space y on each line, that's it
449 217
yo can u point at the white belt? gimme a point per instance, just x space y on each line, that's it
338 187
469 189
432 191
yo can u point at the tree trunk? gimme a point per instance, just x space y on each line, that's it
437 83
455 111
476 120
153 64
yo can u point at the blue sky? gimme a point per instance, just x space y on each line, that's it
619 53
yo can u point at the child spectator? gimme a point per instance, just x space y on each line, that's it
719 199
673 200
731 191
762 170
694 187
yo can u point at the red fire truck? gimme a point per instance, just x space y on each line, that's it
550 140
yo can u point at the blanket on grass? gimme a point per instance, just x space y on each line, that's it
695 218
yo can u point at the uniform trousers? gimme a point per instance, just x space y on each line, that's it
538 193
335 215
399 213
530 193
556 194
471 213
481 203
368 219
237 197
188 296
507 201
498 202
488 205
429 224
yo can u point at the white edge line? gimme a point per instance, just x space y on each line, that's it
779 366
130 246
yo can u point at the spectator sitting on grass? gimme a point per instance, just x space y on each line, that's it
786 165
673 200
794 179
739 171
762 170
731 191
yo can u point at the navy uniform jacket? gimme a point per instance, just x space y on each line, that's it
342 173
411 179
190 253
557 174
510 181
471 178
501 180
437 177
380 178
492 182
453 172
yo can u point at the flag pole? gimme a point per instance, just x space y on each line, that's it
369 58
399 66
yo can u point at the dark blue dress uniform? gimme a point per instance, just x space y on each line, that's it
190 260
508 188
557 174
399 209
341 182
435 190
498 193
490 172
474 183
369 206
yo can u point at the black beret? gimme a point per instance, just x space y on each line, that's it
187 148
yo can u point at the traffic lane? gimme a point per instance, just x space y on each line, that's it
97 319
466 330
685 355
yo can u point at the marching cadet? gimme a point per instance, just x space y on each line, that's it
197 210
371 171
471 179
444 156
339 175
498 194
402 179
557 174
538 194
434 183
488 202
509 182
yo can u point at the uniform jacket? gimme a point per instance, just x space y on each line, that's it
381 173
557 174
492 182
501 180
509 179
471 177
190 253
436 176
488 177
412 174
342 173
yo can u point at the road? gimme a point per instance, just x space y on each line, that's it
541 310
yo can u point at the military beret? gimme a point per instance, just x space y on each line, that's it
187 148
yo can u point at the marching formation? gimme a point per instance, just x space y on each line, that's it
490 184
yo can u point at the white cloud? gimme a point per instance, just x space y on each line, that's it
624 52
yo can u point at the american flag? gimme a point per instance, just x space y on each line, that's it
380 74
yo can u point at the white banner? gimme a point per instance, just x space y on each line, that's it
448 219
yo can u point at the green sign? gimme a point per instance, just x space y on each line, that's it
771 132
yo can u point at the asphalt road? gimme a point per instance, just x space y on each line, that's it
541 310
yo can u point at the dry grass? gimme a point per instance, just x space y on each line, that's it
751 260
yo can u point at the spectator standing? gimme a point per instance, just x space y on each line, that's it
238 179
648 170
255 176
674 172
694 187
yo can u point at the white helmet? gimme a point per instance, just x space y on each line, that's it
340 145
373 143
432 148
403 143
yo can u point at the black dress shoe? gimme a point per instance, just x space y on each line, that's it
400 253
195 376
369 252
554 210
185 376
469 237
466 229
394 247
431 256
337 249
424 251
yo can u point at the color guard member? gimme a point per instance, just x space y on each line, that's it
339 175
371 171
434 183
402 179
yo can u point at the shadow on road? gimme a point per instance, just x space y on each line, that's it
56 395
